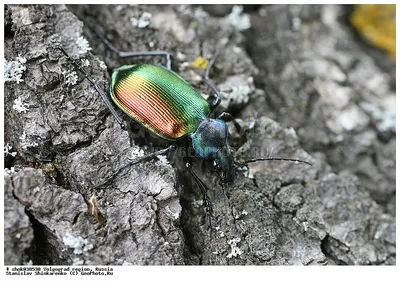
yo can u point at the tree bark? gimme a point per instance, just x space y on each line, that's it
299 79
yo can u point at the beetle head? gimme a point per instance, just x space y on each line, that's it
210 141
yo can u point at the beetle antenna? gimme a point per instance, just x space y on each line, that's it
276 159
215 99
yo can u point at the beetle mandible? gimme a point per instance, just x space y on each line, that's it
162 101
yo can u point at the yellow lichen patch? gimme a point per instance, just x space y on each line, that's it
50 169
94 210
377 23
200 62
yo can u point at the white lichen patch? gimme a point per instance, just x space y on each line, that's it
136 152
7 150
13 70
236 90
85 63
238 19
28 263
387 121
101 64
162 160
198 203
175 215
71 78
25 144
180 56
77 261
237 49
352 118
384 115
19 106
119 8
88 247
247 172
78 243
83 45
305 226
241 215
296 24
183 66
9 171
126 263
239 95
235 250
143 21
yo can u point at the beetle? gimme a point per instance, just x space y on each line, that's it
163 102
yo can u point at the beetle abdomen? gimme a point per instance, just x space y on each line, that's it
159 99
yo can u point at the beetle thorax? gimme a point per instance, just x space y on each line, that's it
210 136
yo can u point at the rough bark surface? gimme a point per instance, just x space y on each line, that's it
297 69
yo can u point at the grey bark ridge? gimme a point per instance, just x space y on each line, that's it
324 82
277 213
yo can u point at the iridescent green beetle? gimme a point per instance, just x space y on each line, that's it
166 104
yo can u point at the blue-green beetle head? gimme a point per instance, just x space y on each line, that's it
210 141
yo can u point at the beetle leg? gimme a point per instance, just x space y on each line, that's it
122 54
222 184
228 117
203 188
134 162
98 89
215 99
167 55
